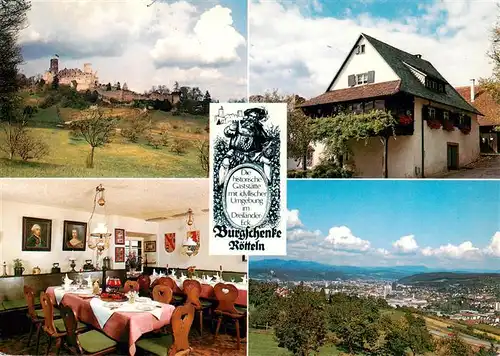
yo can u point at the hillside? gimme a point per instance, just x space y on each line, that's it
463 278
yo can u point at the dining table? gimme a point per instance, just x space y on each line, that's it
124 322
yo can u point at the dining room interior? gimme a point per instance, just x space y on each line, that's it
115 266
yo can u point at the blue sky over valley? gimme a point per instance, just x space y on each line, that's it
444 224
311 38
197 43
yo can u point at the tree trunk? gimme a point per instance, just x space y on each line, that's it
386 154
91 158
304 162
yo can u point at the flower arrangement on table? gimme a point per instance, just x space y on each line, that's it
132 296
191 270
434 124
448 125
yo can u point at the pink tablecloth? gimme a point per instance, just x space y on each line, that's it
122 327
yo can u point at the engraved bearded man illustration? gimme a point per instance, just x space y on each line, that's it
248 143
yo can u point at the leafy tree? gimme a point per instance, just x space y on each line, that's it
137 127
207 99
337 131
176 86
55 83
453 346
179 146
301 325
419 338
96 129
108 87
300 136
118 87
396 340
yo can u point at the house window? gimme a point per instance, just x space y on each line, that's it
358 108
362 78
446 115
368 106
432 113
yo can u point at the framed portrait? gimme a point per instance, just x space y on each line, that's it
119 254
119 236
37 234
170 242
75 236
149 246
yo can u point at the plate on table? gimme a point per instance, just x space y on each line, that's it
111 305
145 307
113 297
143 300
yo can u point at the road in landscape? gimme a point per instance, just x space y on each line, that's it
467 338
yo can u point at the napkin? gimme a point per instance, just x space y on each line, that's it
154 273
89 282
244 279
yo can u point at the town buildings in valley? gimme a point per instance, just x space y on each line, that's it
437 128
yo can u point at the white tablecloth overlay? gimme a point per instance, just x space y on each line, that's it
103 313
59 293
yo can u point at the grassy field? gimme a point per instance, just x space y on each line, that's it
262 343
120 158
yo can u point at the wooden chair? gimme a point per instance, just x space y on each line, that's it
55 329
192 289
131 285
167 281
176 344
226 295
144 284
162 294
34 315
88 343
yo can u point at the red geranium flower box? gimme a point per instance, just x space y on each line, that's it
434 124
448 125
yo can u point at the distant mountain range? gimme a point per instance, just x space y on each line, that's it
462 278
294 270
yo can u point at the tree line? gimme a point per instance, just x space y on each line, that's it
303 320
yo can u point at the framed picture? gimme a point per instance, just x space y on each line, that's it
119 254
75 236
244 258
149 246
37 234
119 236
170 242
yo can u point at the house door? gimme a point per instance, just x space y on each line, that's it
452 156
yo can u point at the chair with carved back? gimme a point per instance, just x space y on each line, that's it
55 329
226 295
162 294
34 315
192 289
144 284
91 342
176 297
176 343
130 286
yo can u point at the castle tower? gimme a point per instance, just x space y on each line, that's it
87 68
54 66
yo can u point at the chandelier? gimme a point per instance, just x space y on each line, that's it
191 243
99 236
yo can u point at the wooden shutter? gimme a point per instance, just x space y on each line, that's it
371 76
351 80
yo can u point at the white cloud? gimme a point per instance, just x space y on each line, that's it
406 244
304 53
494 246
382 251
194 43
293 220
342 238
464 250
301 234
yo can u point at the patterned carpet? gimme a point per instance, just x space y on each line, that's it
225 345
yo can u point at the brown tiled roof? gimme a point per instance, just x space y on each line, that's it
485 103
355 93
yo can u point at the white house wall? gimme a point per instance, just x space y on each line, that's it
436 141
362 63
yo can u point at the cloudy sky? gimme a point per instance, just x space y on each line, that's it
302 47
197 43
445 224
